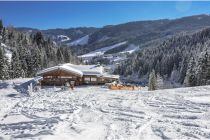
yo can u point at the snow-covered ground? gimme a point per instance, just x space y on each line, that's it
131 48
97 113
80 41
63 38
104 38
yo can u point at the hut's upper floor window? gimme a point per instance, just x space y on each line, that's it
87 78
93 79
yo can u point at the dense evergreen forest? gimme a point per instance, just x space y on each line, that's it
182 59
22 55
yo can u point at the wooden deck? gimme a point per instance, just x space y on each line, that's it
121 87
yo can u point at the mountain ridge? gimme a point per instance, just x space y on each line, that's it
135 32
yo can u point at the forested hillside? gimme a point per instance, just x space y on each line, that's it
183 59
22 54
56 35
139 33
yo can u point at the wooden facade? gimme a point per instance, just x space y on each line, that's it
74 75
61 77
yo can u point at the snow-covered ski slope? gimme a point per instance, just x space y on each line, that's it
97 113
101 51
63 38
81 41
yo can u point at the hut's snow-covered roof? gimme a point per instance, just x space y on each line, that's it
87 69
61 67
77 69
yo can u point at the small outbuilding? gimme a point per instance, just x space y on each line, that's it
75 74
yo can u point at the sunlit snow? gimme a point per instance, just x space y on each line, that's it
80 41
95 112
101 51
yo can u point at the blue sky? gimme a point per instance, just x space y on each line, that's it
45 15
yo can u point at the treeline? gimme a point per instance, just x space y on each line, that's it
22 54
183 59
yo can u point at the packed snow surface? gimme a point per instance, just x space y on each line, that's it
131 48
97 113
101 51
63 38
80 41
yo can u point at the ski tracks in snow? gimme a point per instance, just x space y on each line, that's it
96 113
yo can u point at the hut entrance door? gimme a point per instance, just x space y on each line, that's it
72 82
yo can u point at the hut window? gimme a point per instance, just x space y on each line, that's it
102 79
66 77
87 79
93 79
48 77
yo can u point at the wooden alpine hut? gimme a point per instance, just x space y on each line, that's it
76 74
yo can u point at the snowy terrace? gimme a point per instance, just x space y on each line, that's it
97 113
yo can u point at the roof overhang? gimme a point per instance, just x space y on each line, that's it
62 67
111 76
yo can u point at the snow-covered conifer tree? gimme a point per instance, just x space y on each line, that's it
190 78
152 81
1 25
175 75
160 83
201 71
15 65
60 56
4 66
